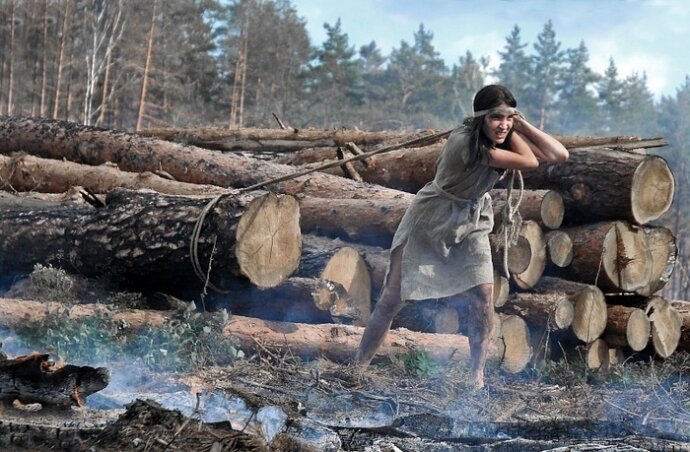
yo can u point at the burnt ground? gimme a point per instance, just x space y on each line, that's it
393 406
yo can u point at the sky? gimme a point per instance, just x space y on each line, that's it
642 36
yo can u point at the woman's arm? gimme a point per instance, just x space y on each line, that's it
519 157
543 145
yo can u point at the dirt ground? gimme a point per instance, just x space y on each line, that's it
322 406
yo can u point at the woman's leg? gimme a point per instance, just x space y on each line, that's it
480 322
388 305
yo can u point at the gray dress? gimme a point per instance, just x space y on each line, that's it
445 231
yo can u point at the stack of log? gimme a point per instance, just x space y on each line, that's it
586 269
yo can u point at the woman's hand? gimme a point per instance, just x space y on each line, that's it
519 157
543 146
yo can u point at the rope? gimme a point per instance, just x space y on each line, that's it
194 240
511 220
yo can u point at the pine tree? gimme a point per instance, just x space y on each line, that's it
610 91
467 77
578 112
547 69
514 69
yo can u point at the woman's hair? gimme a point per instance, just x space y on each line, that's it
490 96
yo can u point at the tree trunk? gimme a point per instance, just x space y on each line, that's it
147 69
627 327
662 245
666 326
61 57
304 300
608 185
589 319
537 262
35 379
612 255
335 342
29 173
93 146
548 310
515 340
543 206
597 356
683 309
143 240
410 169
277 140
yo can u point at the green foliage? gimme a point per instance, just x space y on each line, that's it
417 363
187 341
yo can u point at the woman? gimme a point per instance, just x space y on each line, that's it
441 247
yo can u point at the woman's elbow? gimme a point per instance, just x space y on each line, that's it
559 155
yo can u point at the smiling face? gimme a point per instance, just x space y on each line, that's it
498 123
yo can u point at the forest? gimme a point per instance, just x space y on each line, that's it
130 65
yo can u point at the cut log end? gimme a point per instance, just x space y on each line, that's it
662 245
560 248
652 190
529 277
348 268
597 355
590 314
501 289
552 209
666 326
515 338
626 259
519 256
638 330
563 314
269 240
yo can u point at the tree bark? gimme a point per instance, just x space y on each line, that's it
94 146
34 379
612 255
143 240
627 327
276 140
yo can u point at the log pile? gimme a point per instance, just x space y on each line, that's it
588 265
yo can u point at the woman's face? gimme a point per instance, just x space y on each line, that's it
498 123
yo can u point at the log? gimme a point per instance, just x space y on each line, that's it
608 184
547 310
350 265
559 248
543 206
85 144
428 316
666 325
683 309
515 339
531 231
29 173
661 244
501 289
589 320
35 378
335 342
612 255
273 140
374 221
597 356
410 169
142 240
627 326
303 300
